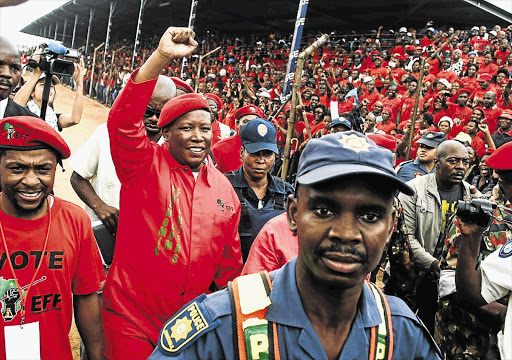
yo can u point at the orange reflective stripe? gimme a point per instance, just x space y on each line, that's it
240 318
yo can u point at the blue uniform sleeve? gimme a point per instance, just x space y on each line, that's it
202 329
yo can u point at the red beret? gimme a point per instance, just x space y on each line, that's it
484 77
376 52
501 158
506 114
29 133
464 91
214 98
383 140
409 48
252 74
399 136
182 85
249 110
180 105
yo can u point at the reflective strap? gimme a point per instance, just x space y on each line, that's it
381 336
250 329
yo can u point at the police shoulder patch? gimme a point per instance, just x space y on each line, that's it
506 250
185 327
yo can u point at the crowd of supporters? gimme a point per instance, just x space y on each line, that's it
384 67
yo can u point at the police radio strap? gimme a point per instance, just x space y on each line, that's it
20 289
381 336
253 336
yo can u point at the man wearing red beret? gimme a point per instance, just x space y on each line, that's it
177 235
50 262
226 151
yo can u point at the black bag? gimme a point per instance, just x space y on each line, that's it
106 242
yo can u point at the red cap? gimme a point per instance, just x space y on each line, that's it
252 74
383 140
500 159
410 48
464 91
214 98
375 52
182 85
249 110
484 77
30 133
507 114
180 105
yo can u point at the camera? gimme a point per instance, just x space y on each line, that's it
50 63
476 211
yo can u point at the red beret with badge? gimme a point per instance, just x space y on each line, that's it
182 85
249 110
501 158
30 133
181 105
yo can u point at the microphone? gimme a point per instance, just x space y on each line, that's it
57 48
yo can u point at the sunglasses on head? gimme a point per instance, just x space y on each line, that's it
150 112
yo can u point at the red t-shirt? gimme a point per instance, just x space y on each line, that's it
408 105
385 127
71 266
274 246
491 117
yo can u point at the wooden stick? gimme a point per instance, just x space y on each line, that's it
296 89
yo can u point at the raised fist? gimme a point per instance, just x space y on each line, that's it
177 42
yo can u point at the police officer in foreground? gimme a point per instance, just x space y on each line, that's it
424 162
318 305
262 196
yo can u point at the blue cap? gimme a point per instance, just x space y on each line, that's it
432 138
347 153
340 121
259 134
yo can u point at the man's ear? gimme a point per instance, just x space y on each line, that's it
291 213
165 133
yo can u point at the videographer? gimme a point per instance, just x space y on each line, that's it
490 281
31 96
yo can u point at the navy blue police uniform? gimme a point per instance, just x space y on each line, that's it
203 329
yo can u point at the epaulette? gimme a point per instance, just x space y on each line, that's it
397 169
179 332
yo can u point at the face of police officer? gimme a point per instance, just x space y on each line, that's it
27 178
342 226
189 138
426 154
10 68
257 165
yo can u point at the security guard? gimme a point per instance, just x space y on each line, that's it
424 162
317 306
262 195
